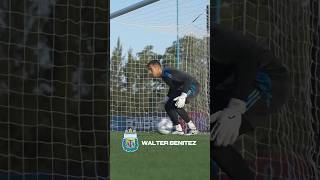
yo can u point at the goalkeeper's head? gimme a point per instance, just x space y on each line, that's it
154 68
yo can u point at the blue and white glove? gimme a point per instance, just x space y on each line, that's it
227 123
180 100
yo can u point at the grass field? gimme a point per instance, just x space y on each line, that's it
160 162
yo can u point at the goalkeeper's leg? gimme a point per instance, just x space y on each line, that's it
173 115
229 160
173 112
192 130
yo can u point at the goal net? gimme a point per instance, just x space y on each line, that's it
137 98
288 146
53 89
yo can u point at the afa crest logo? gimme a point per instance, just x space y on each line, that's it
130 142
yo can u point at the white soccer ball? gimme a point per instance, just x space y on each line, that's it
165 126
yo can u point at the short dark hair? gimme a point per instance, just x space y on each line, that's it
154 62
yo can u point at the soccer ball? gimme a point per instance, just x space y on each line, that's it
165 126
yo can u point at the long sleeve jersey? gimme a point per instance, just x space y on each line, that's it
237 60
179 81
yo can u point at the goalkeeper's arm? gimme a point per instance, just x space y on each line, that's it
242 53
187 80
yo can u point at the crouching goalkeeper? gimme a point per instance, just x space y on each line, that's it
182 89
248 83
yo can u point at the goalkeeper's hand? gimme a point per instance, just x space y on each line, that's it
180 100
227 123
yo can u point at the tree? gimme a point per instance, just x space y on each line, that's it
116 75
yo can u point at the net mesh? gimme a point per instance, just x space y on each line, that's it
53 67
288 147
136 98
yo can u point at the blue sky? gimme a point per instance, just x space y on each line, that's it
154 24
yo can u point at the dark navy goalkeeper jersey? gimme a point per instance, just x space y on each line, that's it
179 81
239 63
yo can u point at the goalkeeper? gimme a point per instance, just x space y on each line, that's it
247 83
182 88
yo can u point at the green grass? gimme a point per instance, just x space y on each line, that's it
160 162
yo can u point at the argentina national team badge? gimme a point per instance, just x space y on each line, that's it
130 142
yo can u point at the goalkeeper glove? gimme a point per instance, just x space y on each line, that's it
226 129
213 120
180 100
